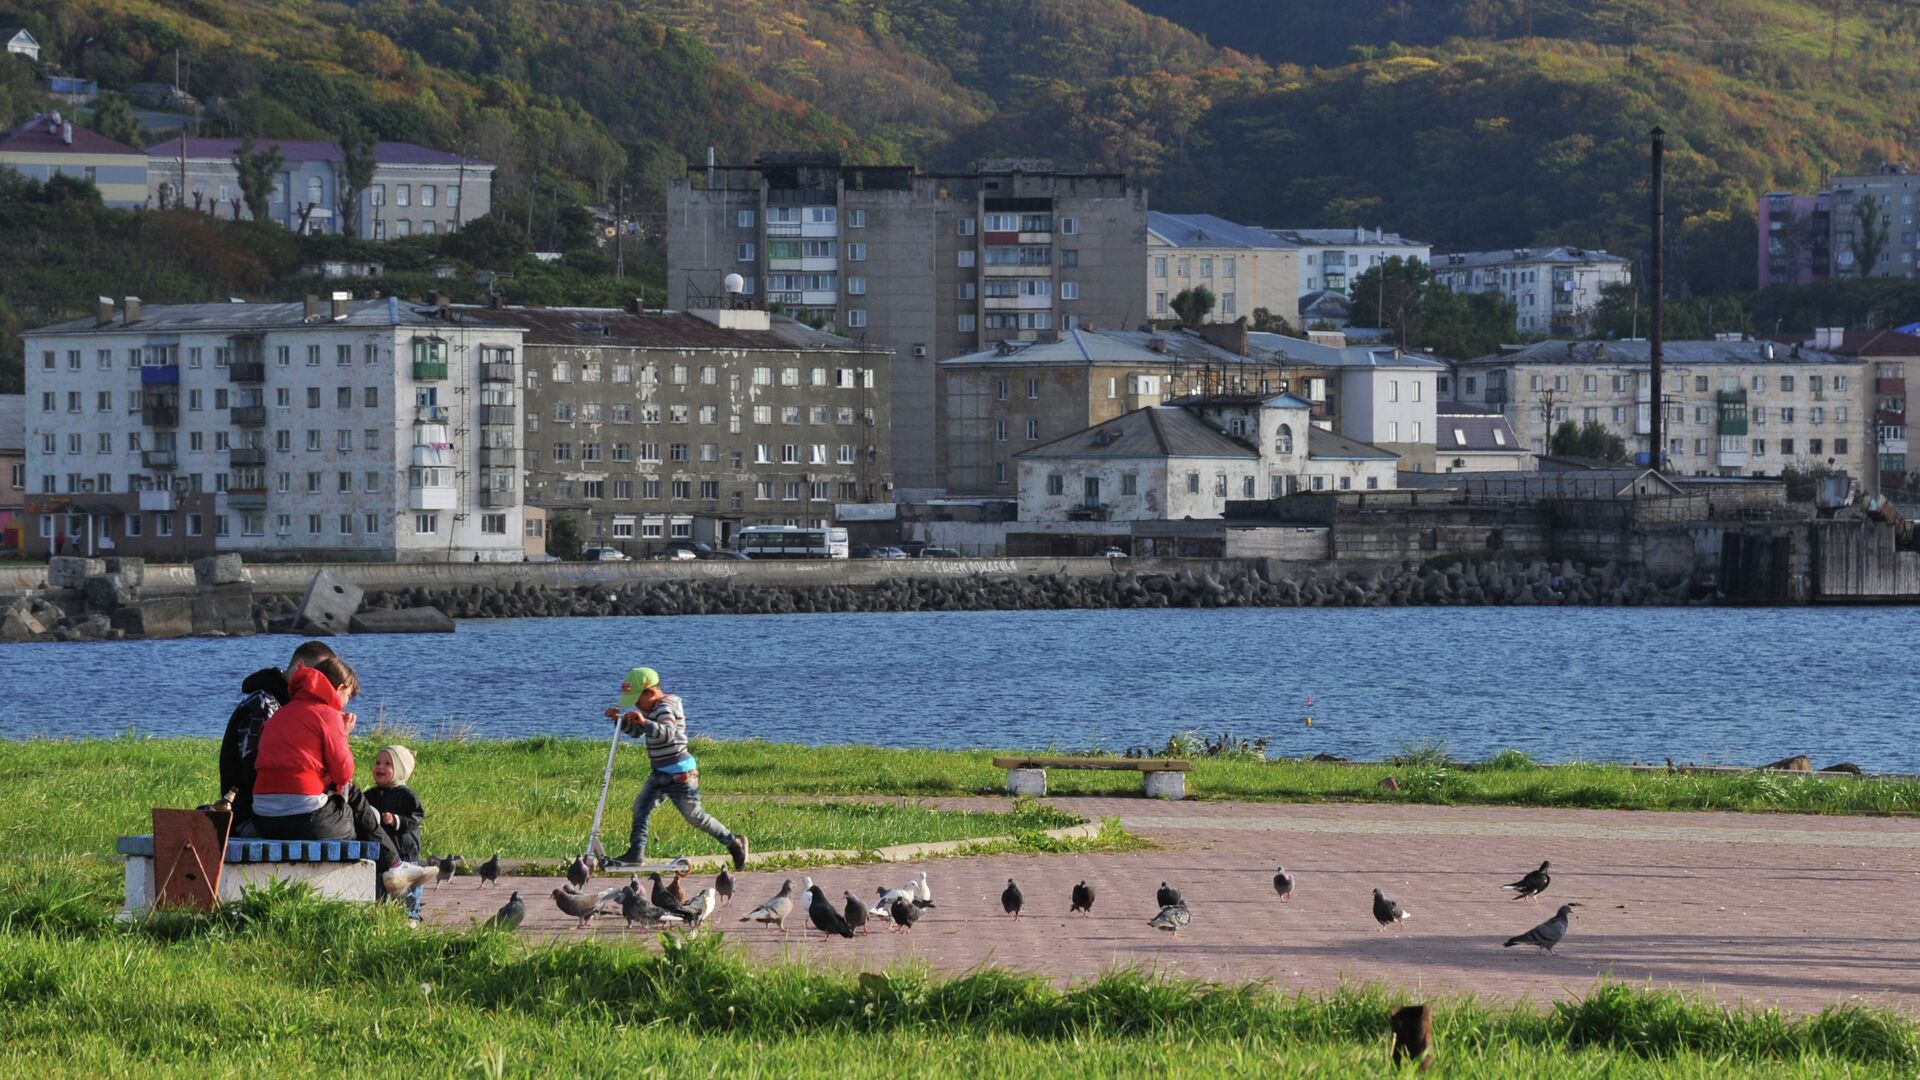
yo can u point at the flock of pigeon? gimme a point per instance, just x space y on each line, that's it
667 904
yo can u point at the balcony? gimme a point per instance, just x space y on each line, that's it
1731 459
499 500
1889 416
160 415
429 370
499 457
160 375
784 298
432 498
242 456
497 414
1890 386
783 228
159 459
437 457
430 414
496 372
157 500
251 371
249 415
247 498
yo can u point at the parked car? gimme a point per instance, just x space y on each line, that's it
675 555
938 553
1114 553
888 553
700 550
604 554
859 551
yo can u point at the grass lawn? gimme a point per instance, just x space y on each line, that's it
285 986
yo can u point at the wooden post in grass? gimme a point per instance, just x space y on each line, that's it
1412 1033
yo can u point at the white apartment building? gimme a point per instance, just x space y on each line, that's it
1554 290
358 430
1330 259
1245 268
1733 408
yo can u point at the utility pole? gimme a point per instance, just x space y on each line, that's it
1656 401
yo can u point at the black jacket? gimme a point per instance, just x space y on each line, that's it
266 691
400 801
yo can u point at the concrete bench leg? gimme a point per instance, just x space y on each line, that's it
1164 785
1027 782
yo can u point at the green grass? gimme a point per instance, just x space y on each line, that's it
282 984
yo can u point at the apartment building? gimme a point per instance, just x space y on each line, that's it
1246 268
1732 408
1019 395
51 145
1374 394
650 426
922 265
1892 192
1330 259
13 470
352 429
416 190
1553 290
1888 354
1795 238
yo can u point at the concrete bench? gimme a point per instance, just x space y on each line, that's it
1161 778
334 869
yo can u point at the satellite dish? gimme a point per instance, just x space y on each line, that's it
734 284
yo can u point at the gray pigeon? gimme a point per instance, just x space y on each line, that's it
1011 900
905 913
1387 912
490 870
825 917
723 886
1167 896
1547 934
635 909
774 912
510 913
1082 899
664 900
582 906
579 873
1533 884
446 869
856 913
1283 884
1172 918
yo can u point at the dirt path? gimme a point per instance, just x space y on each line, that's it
1791 910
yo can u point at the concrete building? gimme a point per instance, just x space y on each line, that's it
1795 238
356 429
53 145
13 470
650 426
1888 353
1330 259
415 189
1475 439
1246 268
923 265
1893 190
1374 394
1733 408
1018 395
1554 290
1188 458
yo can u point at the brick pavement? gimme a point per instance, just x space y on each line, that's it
1797 911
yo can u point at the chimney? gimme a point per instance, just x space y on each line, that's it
312 310
103 311
636 305
1359 234
340 305
1766 351
66 132
496 301
132 304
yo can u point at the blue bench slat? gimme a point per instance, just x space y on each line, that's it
268 851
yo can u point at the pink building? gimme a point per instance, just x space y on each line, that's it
1794 235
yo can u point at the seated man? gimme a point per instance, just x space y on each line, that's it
266 691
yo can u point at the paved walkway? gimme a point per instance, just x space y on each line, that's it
1799 911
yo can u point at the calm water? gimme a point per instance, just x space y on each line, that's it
1598 684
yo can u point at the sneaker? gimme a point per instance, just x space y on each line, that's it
625 859
738 849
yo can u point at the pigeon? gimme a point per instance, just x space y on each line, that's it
1010 899
1387 912
490 870
774 911
1533 884
904 915
825 917
723 886
703 904
404 876
1283 884
856 913
446 869
1167 896
1082 899
1171 918
1547 934
922 896
884 908
510 913
674 888
582 906
579 873
664 900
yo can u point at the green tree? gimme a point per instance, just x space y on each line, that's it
356 147
1193 305
1266 322
257 169
1869 235
1589 440
490 242
563 536
113 117
1401 293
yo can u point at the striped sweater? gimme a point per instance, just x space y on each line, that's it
666 734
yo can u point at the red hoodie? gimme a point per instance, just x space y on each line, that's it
303 747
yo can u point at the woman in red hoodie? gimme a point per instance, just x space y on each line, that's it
305 767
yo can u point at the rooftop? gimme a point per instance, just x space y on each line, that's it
1461 430
655 330
1324 445
1205 230
1156 431
1300 352
1863 341
1594 484
1571 256
44 135
1354 237
1635 353
384 153
1080 347
250 318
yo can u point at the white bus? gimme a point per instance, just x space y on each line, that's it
791 542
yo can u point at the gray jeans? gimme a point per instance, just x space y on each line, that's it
686 799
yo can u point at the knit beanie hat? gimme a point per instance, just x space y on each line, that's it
402 761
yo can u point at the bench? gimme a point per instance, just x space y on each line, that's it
334 869
1161 778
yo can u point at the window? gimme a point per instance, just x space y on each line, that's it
1786 447
964 257
1839 446
857 319
1283 440
999 431
1033 431
1193 483
856 219
1786 382
964 324
856 253
964 226
1000 472
856 286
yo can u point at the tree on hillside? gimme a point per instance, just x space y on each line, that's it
1401 294
257 170
1389 294
1589 440
490 242
1869 234
356 147
113 117
1193 305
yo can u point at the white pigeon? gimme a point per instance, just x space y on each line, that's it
703 903
883 908
403 876
922 896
